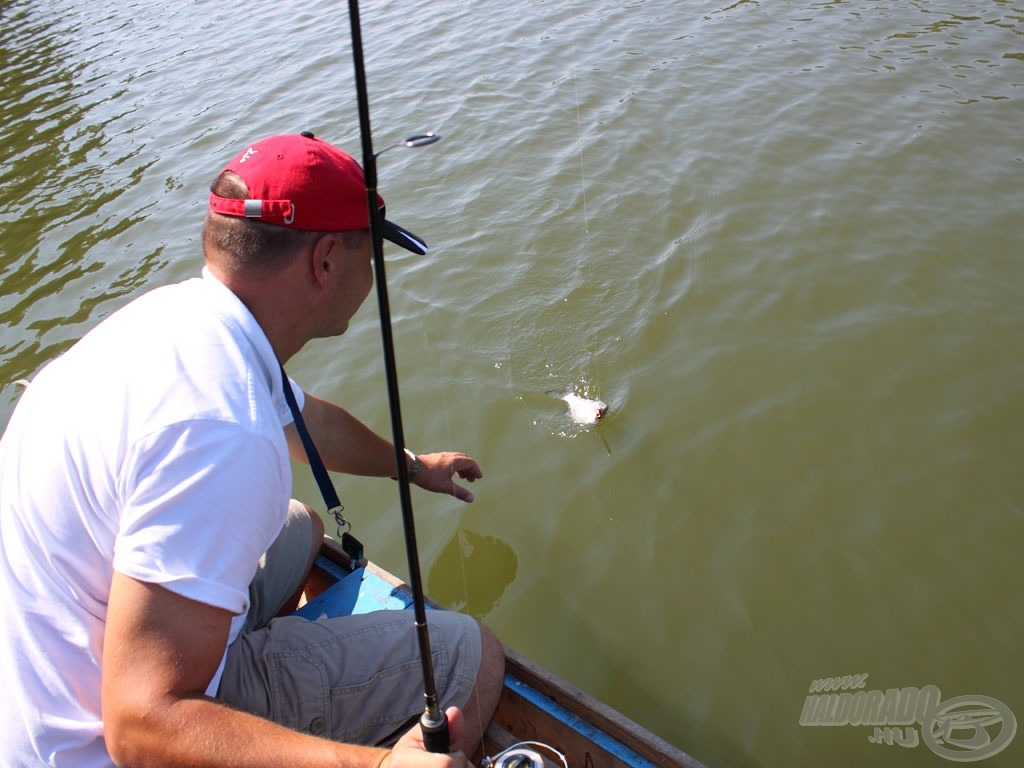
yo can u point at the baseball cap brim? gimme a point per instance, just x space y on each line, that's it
403 237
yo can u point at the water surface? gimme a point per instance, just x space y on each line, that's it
781 240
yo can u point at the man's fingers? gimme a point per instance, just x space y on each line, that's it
455 723
440 470
462 494
466 468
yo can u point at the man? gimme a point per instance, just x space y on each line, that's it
145 523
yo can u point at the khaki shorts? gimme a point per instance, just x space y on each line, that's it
356 679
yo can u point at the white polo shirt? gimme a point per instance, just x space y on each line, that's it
153 446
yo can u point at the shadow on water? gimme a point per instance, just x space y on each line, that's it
472 573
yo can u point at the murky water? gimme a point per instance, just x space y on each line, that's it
781 240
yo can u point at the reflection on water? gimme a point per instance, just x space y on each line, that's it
67 181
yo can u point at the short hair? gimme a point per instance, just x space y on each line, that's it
246 246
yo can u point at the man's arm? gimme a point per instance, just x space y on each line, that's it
160 651
347 445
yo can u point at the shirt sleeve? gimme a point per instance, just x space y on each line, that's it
203 500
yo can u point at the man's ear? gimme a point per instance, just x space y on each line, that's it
324 258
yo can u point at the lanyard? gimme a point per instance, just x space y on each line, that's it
334 506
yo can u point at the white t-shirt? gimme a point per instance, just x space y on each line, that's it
154 446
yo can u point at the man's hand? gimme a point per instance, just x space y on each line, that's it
347 445
409 752
438 473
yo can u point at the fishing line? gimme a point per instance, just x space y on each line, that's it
579 121
460 539
525 754
588 390
434 721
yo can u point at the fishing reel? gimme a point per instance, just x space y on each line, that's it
523 755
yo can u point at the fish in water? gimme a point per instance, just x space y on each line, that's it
583 410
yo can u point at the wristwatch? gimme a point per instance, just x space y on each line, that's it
417 465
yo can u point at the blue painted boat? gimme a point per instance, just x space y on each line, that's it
535 706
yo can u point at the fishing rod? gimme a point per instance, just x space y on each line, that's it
433 722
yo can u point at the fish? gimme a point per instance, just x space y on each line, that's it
583 410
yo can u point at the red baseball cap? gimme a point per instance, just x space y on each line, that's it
302 182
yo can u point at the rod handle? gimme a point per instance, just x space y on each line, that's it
435 733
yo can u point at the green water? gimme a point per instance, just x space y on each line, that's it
781 240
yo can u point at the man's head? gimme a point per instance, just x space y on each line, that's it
275 198
287 232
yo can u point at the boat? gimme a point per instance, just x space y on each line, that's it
541 719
